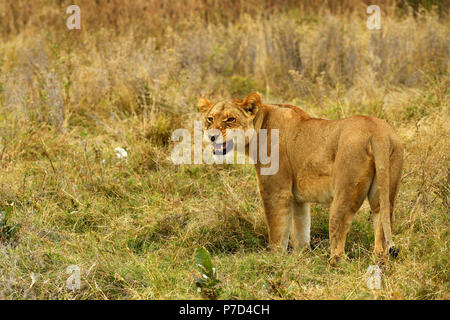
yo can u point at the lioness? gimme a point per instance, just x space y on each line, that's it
320 161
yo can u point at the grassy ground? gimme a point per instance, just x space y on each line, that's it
68 98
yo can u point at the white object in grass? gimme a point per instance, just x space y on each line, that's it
121 153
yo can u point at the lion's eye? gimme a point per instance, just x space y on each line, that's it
210 119
230 120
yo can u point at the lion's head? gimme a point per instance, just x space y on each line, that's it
221 118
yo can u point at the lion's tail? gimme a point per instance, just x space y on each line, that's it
381 151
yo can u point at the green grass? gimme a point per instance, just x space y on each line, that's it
136 224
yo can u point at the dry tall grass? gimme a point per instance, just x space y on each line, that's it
132 75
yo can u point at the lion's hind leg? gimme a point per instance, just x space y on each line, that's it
374 201
351 187
341 215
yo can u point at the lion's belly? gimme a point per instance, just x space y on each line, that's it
317 189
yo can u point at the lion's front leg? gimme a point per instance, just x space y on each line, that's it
278 210
301 226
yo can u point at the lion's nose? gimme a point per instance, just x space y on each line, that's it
213 137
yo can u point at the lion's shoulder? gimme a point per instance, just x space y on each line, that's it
296 109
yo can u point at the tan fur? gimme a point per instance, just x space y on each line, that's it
337 162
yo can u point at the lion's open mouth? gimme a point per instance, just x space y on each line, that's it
222 149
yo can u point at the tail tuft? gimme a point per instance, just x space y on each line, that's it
393 252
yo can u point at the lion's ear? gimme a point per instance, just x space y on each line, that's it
252 102
204 105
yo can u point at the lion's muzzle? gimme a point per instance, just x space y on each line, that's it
222 149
